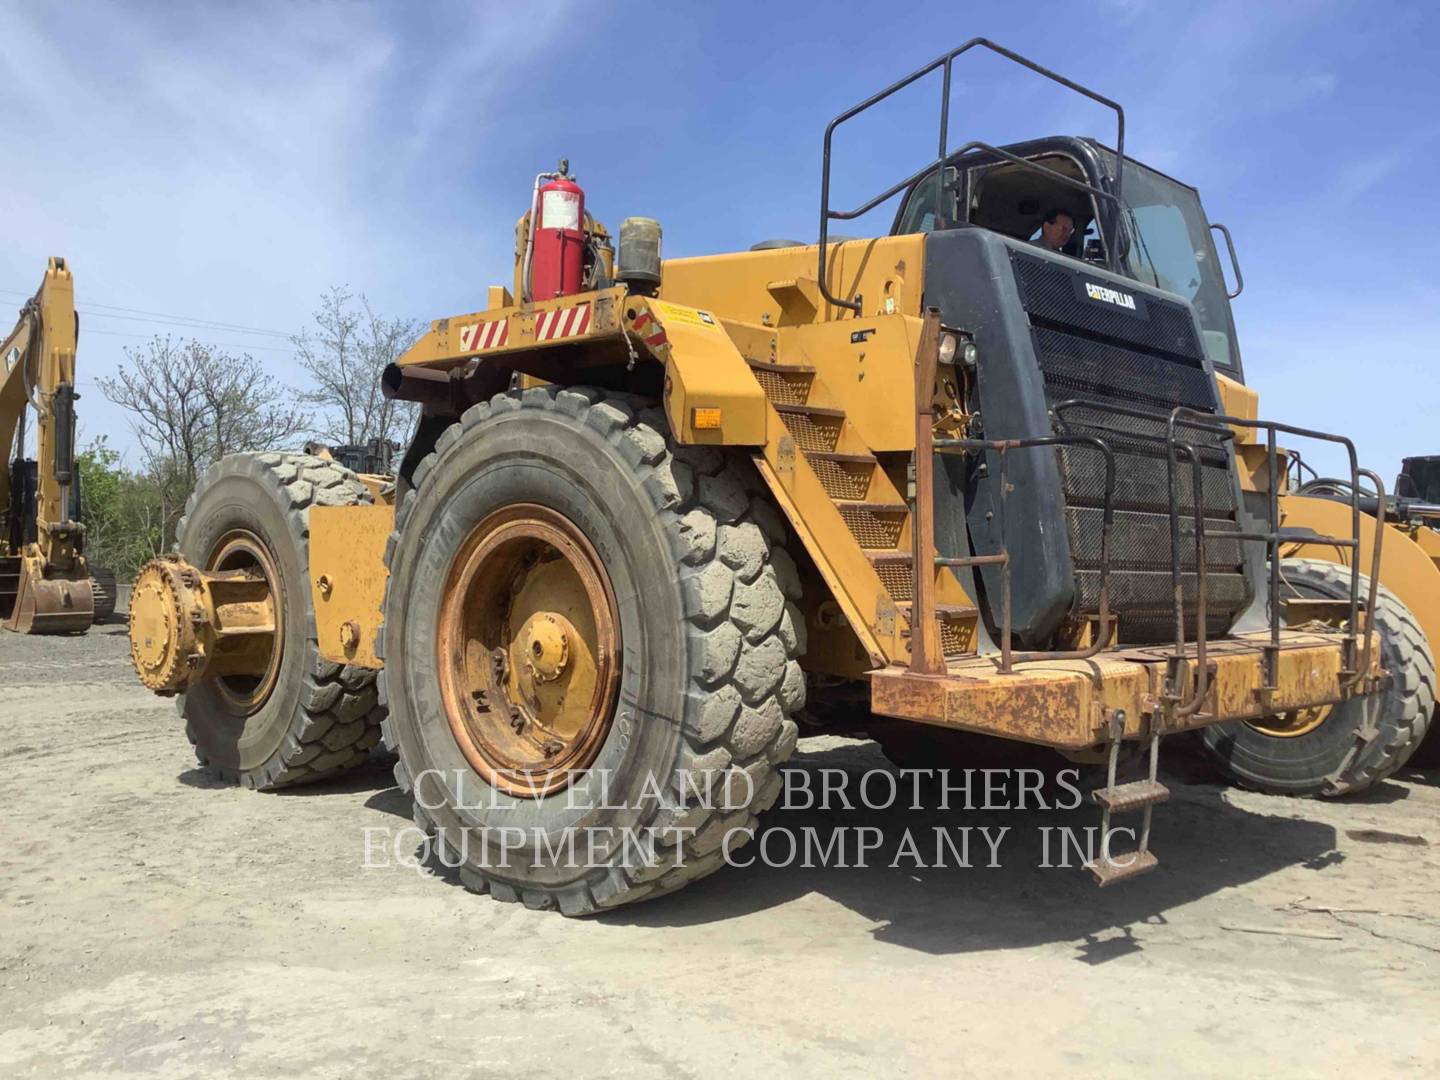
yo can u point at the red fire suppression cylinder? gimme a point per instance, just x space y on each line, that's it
557 261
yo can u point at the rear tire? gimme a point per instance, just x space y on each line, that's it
319 717
102 585
708 640
1427 754
1347 752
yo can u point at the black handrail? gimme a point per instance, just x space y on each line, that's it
944 62
1215 226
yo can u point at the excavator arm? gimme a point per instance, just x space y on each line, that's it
45 582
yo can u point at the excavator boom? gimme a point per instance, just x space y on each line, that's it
45 584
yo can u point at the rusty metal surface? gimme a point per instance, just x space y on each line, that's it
528 650
1063 703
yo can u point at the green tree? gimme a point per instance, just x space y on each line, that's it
190 405
122 510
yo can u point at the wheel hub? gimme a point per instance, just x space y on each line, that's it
187 625
545 645
528 648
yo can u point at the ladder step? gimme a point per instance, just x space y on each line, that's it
843 459
944 611
1132 796
1120 867
894 571
781 369
808 410
843 476
813 428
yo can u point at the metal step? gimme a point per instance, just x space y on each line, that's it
845 459
1135 795
1144 795
945 611
783 369
813 427
875 526
843 476
785 408
1121 867
783 385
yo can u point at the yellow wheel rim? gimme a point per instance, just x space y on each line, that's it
528 649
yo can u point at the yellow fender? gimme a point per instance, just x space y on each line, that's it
1405 568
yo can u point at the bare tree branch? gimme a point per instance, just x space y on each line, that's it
191 404
345 355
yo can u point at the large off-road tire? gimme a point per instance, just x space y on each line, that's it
102 585
1355 744
706 639
1427 754
307 718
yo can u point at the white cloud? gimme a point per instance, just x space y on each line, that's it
232 162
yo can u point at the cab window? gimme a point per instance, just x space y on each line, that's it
919 213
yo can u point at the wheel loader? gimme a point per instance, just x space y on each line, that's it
46 583
656 512
1410 578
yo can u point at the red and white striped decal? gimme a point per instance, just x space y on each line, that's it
485 335
562 323
655 335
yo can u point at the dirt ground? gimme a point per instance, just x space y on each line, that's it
155 923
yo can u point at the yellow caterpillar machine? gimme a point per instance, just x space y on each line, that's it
1168 243
1409 575
653 507
46 585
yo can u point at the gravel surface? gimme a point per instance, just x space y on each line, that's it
153 922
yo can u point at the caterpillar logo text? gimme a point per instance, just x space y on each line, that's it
1110 296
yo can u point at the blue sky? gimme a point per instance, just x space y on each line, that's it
230 162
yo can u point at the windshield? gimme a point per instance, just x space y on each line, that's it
1173 250
1168 242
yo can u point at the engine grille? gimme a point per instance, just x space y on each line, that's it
1103 355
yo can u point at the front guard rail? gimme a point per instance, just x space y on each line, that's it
1217 424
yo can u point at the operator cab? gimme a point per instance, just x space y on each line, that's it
1165 241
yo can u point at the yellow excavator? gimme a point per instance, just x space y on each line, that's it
46 584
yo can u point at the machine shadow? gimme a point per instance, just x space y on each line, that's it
377 775
1204 845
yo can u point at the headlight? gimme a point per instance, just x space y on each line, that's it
948 345
969 355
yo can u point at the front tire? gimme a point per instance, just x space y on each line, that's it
706 641
1342 750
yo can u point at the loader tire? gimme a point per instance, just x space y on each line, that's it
1349 750
102 586
1427 754
706 642
313 718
